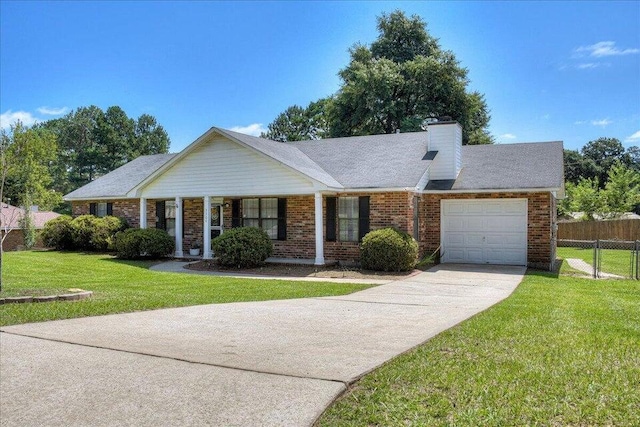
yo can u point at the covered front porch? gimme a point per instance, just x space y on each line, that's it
295 223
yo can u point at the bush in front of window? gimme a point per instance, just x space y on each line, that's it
104 232
58 233
242 247
82 228
388 250
136 243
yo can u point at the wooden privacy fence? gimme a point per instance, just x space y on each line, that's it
616 229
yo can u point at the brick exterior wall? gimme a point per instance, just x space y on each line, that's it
541 216
128 209
388 209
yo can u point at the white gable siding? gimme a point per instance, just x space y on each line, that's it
225 168
446 139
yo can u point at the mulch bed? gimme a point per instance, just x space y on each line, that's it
297 270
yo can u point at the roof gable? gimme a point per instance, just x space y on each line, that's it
119 182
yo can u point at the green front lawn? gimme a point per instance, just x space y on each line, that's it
559 351
123 286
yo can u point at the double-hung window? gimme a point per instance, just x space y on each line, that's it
348 219
262 213
101 210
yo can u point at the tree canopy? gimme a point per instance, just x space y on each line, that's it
399 82
619 193
29 154
93 142
596 158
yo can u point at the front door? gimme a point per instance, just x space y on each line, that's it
217 222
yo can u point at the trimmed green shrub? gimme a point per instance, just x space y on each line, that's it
58 233
104 232
82 230
242 247
388 250
136 243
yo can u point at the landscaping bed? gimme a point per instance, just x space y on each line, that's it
302 270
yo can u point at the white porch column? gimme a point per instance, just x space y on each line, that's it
179 252
319 234
143 212
206 229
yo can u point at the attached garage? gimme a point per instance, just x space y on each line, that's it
484 231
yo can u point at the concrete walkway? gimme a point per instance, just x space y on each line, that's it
258 363
585 267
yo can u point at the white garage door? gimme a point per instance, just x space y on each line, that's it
484 231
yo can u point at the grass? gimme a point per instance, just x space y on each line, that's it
615 261
559 351
125 286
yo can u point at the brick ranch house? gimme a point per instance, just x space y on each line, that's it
492 204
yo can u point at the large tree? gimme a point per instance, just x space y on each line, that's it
596 158
31 153
94 142
299 124
400 82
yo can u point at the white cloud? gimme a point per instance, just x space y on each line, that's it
507 136
603 122
52 111
579 122
546 116
606 48
254 129
9 117
588 65
633 138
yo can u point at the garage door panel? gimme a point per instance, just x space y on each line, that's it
485 231
455 239
474 255
474 239
504 256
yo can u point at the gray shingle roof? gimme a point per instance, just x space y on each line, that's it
507 166
376 161
119 182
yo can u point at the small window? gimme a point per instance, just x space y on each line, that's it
348 219
170 217
101 210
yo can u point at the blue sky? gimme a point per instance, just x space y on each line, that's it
549 70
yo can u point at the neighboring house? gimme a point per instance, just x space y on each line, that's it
11 216
491 204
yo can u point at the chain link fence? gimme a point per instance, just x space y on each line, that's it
604 259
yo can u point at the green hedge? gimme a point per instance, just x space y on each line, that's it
85 232
388 250
242 247
58 233
137 243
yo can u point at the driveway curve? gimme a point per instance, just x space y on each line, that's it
257 363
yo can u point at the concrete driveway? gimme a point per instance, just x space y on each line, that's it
258 363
